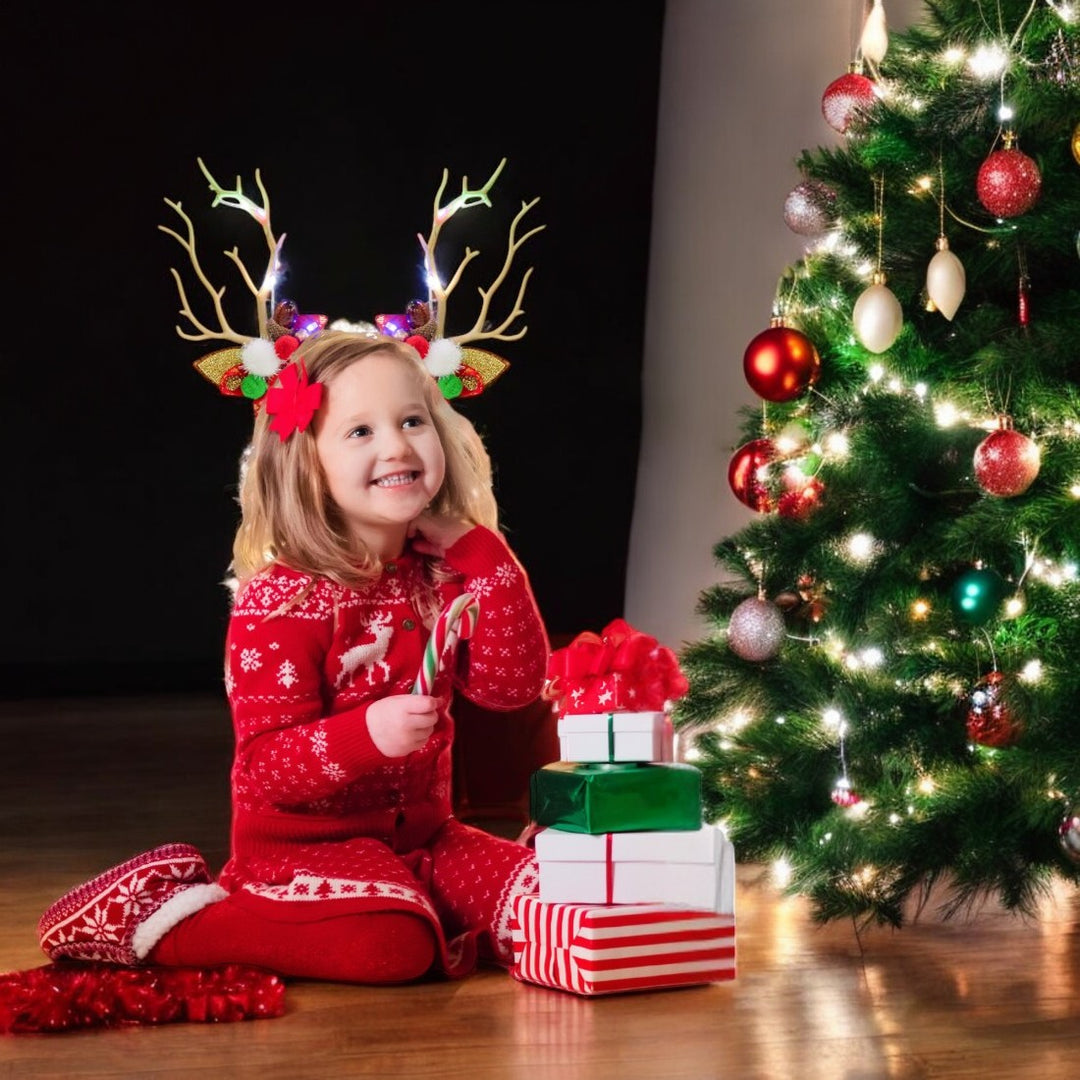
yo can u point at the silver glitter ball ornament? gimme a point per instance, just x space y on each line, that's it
756 629
1069 834
810 208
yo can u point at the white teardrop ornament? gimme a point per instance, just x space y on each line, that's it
875 35
877 316
946 281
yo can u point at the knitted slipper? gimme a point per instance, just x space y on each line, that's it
120 915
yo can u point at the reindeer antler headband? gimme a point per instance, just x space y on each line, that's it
252 365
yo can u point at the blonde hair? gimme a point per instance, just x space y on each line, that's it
287 514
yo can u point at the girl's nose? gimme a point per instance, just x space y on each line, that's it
392 443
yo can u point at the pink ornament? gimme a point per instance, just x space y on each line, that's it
845 98
1006 463
810 208
1008 183
756 630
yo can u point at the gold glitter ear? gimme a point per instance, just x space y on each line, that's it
486 364
222 369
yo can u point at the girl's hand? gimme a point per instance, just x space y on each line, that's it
433 534
402 723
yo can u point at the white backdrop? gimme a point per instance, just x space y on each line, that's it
740 98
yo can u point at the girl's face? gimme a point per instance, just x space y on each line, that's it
379 450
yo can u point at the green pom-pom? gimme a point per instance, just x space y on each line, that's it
253 386
450 385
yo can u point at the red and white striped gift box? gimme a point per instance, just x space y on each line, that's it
607 949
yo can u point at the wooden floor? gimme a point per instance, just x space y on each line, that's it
84 784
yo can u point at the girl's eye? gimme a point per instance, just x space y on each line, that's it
360 432
412 421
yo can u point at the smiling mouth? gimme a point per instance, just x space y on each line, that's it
396 480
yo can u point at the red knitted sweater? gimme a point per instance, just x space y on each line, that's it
306 657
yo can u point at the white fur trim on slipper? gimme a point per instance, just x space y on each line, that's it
177 908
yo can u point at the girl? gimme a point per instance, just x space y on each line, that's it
367 506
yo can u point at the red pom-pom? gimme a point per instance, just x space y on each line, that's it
286 345
419 343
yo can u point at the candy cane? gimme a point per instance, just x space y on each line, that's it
455 622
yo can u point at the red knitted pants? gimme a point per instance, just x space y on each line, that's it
469 876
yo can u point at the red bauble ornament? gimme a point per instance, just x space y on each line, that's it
1006 462
845 98
780 363
989 722
748 474
1009 182
843 794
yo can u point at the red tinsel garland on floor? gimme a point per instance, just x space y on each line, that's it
68 995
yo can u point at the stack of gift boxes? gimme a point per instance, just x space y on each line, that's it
635 892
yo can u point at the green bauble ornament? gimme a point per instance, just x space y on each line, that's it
977 595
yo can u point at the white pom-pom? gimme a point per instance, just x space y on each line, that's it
259 358
443 357
365 329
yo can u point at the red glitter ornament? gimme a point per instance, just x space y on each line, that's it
801 497
989 721
1006 462
748 474
781 363
845 98
1009 182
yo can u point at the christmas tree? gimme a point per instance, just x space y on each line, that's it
888 698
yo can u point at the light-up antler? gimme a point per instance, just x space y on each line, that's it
250 362
263 292
462 371
438 293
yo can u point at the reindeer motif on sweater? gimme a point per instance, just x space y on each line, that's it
369 655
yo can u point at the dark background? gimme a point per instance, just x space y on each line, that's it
121 461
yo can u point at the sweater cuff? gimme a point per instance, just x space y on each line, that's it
477 550
349 744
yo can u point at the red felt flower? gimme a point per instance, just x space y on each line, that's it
292 401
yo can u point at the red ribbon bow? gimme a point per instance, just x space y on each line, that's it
292 401
646 672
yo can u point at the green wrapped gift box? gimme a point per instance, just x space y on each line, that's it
601 797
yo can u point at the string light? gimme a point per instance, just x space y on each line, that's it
987 62
1031 672
862 547
782 872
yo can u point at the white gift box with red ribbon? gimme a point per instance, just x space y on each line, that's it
615 736
610 949
692 868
